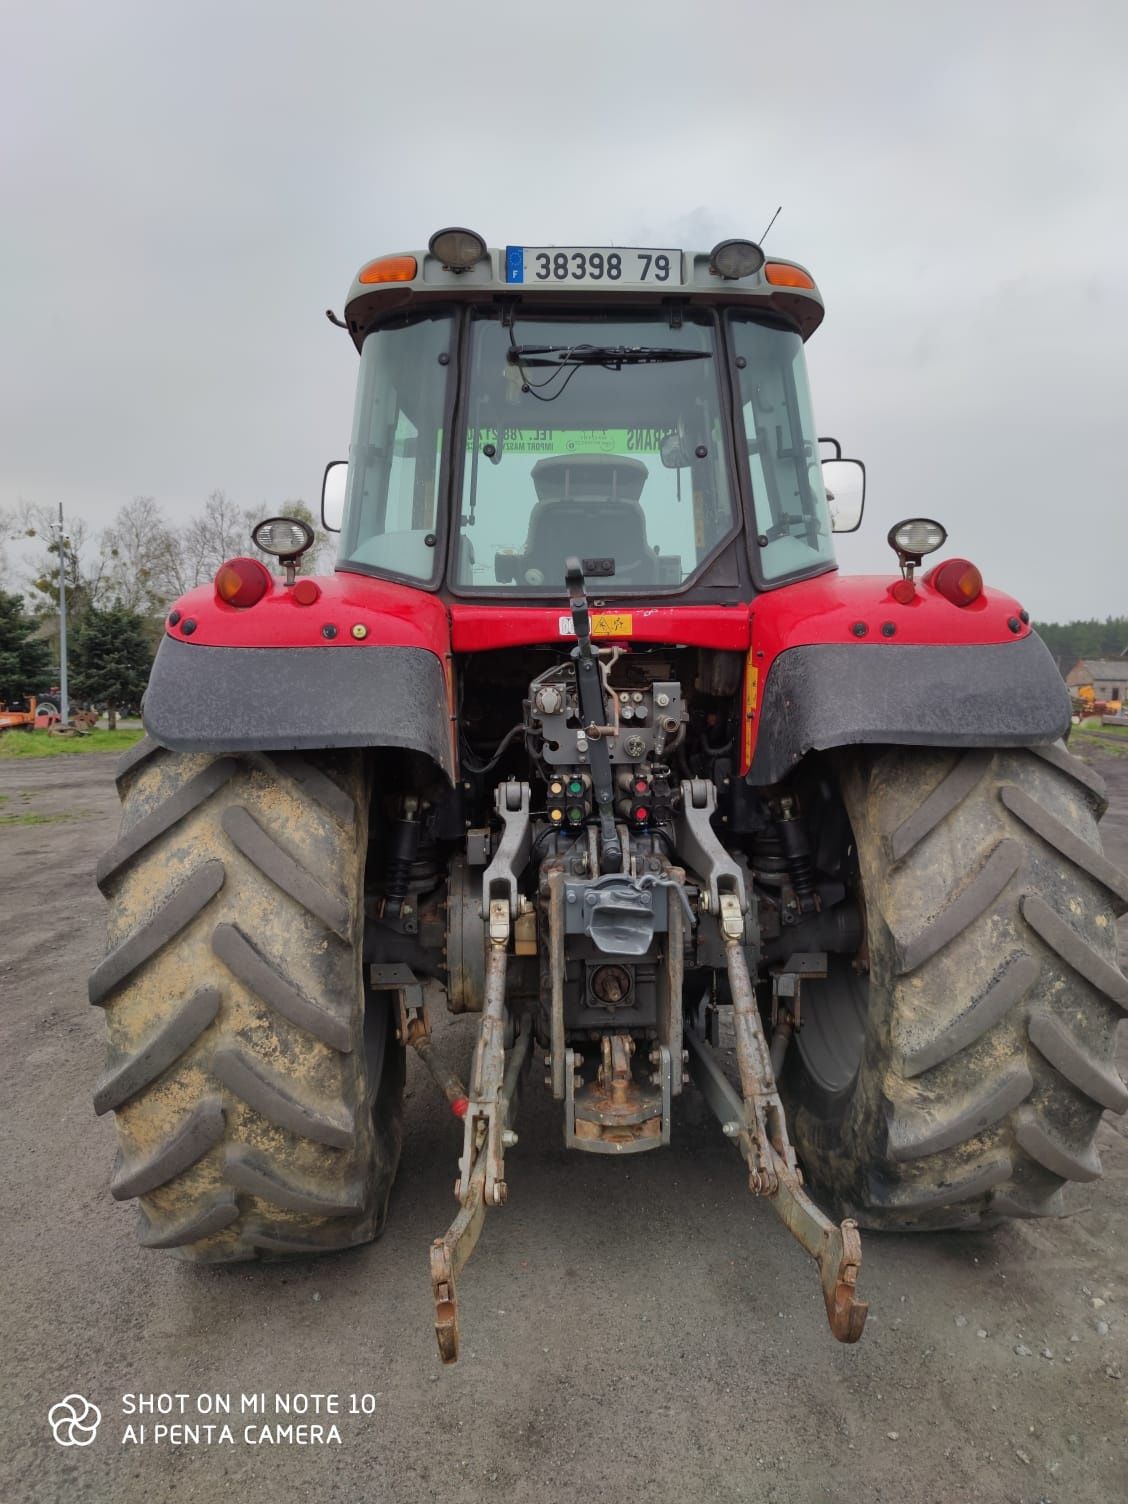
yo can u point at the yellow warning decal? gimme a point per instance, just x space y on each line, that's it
751 690
612 623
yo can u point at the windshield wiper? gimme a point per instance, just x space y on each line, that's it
610 357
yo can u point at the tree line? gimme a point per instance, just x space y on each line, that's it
119 583
1073 640
121 580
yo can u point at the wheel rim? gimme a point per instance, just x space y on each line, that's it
833 1031
377 1025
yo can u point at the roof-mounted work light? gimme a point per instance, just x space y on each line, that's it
457 249
733 259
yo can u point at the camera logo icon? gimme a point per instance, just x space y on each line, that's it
74 1421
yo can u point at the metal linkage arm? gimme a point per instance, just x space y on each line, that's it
699 848
501 878
754 1119
494 1085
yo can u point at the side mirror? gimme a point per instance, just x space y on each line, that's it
671 451
333 486
845 484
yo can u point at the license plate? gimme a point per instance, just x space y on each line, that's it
591 266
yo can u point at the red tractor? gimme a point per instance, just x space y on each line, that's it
588 736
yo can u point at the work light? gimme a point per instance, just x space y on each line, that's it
736 258
285 537
457 249
915 537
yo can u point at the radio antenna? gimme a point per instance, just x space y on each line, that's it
771 222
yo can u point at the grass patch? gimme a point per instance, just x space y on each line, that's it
1108 742
42 744
33 819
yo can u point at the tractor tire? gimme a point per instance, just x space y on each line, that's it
961 1083
258 1093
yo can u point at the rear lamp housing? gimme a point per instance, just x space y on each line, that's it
733 259
287 538
242 582
457 249
957 580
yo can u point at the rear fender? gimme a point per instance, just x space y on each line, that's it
367 664
837 661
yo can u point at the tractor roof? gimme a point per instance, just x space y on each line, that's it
394 283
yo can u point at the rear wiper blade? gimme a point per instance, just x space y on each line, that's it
611 357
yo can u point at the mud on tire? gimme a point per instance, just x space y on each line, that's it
983 1047
256 1115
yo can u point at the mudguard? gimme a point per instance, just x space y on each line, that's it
283 699
1003 694
364 666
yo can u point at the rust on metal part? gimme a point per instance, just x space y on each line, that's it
495 1085
448 1080
625 1133
525 933
556 976
837 1249
757 1082
615 1107
448 1254
754 1119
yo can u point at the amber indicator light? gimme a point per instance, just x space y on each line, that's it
389 269
779 274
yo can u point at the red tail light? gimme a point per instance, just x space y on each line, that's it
903 592
957 580
242 582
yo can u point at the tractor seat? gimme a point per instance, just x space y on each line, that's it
560 528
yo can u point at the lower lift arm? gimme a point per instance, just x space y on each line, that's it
754 1119
495 1079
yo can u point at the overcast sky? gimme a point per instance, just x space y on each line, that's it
185 188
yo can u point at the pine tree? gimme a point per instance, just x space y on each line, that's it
111 659
25 661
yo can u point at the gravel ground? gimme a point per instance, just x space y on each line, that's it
646 1325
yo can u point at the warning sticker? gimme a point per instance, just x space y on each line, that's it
603 624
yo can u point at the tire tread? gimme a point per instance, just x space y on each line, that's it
991 1056
246 1123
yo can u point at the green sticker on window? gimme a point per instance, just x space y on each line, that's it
569 440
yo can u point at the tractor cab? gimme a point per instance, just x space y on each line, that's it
649 409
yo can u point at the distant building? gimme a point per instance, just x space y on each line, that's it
1108 676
